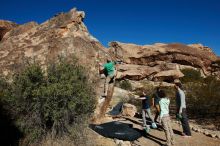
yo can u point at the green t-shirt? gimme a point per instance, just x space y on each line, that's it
109 68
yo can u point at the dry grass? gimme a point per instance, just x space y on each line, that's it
65 141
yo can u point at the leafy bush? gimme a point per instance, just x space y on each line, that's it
125 84
9 133
203 98
203 94
191 75
50 101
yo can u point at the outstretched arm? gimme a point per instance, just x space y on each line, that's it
140 98
101 68
137 97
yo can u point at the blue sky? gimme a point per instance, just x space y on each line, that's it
134 21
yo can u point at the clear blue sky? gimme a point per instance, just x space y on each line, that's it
135 21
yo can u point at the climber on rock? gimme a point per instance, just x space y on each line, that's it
110 72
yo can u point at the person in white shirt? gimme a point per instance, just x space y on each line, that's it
165 117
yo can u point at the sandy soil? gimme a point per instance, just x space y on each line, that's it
156 137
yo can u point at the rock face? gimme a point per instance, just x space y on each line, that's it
6 26
128 110
150 61
63 35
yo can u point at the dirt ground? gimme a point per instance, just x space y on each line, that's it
156 137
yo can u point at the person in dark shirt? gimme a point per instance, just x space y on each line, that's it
146 109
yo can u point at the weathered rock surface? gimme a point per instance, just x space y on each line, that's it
6 26
166 75
62 35
147 61
65 34
20 30
128 110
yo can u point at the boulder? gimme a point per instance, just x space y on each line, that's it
122 143
135 72
164 56
118 92
206 132
119 95
128 110
63 35
169 75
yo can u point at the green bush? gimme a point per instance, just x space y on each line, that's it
203 94
3 86
203 98
191 75
50 101
125 84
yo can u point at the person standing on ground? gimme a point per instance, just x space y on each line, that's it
181 109
165 117
109 70
155 103
145 109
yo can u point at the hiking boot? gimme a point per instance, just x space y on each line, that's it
154 125
146 129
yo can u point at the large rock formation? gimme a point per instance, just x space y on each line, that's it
63 35
66 35
149 60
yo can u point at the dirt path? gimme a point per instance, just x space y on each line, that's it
156 137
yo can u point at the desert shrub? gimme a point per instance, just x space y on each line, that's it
191 75
203 98
3 86
9 133
125 84
50 101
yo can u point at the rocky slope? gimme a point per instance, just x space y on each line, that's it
63 35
